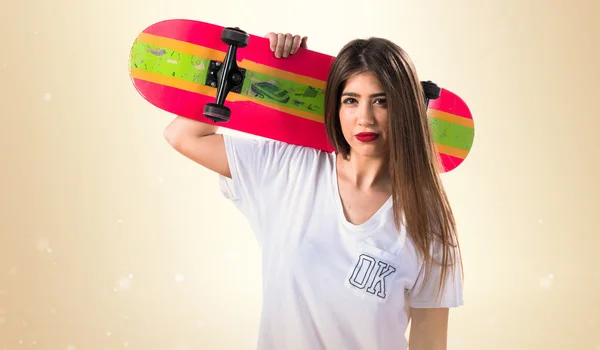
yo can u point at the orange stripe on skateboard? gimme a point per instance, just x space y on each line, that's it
216 55
452 151
452 118
212 92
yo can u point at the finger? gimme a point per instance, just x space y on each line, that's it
280 44
272 40
287 47
303 43
296 44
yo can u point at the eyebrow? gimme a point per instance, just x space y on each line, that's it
353 94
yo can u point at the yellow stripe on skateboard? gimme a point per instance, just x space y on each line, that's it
212 92
216 55
451 151
452 118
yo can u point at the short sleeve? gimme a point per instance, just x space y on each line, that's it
424 293
245 156
260 168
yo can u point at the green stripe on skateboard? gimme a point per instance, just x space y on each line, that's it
191 68
151 58
285 92
451 134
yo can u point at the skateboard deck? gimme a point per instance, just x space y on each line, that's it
175 66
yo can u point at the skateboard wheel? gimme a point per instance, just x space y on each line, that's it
235 37
431 90
216 112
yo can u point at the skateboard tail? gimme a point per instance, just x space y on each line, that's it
453 129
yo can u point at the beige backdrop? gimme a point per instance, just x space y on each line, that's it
111 240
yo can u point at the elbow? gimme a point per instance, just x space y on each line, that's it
183 129
170 136
173 135
174 139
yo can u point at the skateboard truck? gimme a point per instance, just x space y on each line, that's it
431 91
226 76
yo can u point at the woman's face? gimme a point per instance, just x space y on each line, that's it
364 115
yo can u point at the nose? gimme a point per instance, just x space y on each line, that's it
365 115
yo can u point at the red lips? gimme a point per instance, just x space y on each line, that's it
367 136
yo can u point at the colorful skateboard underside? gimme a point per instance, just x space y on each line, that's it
280 99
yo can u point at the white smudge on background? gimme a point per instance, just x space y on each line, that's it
71 347
178 278
124 283
547 282
228 255
47 96
43 245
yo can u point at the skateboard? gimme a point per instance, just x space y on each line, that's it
225 76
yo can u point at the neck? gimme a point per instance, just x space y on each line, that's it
365 172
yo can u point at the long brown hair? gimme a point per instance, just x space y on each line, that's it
420 202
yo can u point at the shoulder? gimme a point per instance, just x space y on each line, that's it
262 163
269 150
269 176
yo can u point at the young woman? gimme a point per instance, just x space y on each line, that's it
357 242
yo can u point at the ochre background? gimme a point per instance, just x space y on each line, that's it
111 240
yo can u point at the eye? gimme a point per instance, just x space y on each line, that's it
349 100
381 101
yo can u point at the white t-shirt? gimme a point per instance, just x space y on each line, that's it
327 283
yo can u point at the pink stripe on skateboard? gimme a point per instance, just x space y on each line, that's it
451 103
449 162
247 117
258 50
